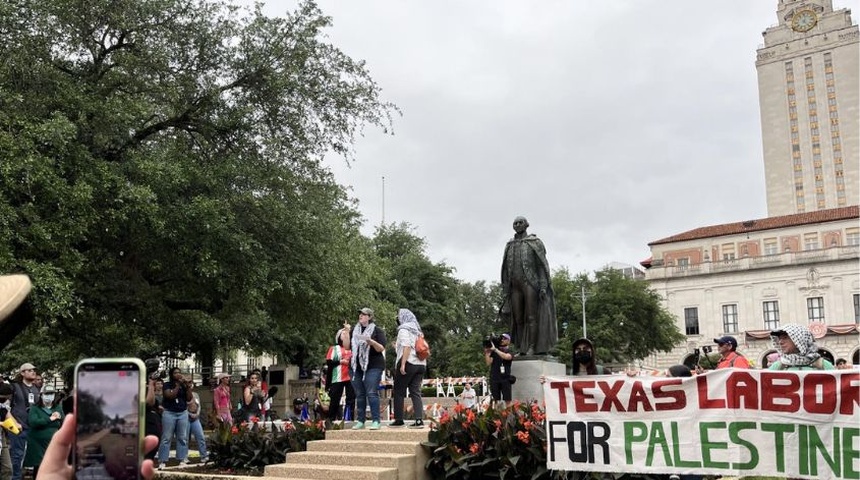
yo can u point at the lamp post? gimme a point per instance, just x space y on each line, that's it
583 296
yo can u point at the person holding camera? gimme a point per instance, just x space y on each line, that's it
174 419
499 359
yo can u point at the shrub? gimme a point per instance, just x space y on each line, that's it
249 446
508 444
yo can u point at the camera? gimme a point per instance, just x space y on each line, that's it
152 369
698 355
492 339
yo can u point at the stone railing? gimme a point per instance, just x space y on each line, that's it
832 254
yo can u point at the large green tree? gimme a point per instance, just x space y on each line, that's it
160 177
625 318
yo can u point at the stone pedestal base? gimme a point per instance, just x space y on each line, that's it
527 371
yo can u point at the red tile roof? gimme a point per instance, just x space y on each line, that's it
769 223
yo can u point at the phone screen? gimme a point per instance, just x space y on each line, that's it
109 397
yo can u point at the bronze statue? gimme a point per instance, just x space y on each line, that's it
528 296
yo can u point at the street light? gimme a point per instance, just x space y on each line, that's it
583 296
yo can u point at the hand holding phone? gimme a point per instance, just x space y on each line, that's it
109 416
364 337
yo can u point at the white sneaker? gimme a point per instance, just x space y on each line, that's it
160 466
183 463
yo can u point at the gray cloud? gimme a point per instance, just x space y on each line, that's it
608 124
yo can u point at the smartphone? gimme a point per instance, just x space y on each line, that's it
109 410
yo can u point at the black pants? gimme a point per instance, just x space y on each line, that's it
500 389
335 393
412 380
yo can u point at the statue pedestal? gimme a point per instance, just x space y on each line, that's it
528 370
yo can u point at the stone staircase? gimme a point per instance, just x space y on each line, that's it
385 454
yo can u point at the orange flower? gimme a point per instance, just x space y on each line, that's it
234 430
523 437
475 448
528 425
470 416
498 424
459 408
444 419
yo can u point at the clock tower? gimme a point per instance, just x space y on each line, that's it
809 97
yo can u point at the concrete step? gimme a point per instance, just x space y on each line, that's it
350 446
330 472
385 433
400 461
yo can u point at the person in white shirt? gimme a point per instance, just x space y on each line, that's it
468 396
408 369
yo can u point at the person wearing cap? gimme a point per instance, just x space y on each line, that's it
24 395
798 350
368 363
44 419
499 358
729 357
221 398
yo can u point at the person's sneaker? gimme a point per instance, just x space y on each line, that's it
397 424
183 463
204 459
161 466
418 424
374 425
358 426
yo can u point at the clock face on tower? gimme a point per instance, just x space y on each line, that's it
803 21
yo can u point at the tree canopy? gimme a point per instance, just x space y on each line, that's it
160 176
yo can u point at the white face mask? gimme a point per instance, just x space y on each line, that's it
48 399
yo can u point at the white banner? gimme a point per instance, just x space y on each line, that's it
801 424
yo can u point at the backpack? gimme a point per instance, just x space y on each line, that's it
422 348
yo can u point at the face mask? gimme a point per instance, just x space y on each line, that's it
583 357
47 399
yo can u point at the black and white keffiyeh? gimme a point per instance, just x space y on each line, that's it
360 347
807 349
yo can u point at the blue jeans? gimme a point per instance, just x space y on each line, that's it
173 422
17 450
196 429
366 386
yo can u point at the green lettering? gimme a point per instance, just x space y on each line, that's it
803 447
816 446
779 430
734 435
708 445
658 437
849 455
676 448
633 432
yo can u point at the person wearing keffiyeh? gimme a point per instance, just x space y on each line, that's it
408 369
798 350
368 363
338 360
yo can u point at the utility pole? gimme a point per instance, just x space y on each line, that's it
383 200
583 296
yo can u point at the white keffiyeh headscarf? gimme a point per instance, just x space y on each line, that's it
807 349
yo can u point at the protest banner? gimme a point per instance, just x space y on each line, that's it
799 424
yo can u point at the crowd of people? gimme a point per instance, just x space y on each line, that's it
350 381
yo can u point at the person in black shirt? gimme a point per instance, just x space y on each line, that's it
174 418
499 359
368 363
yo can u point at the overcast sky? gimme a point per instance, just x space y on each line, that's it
608 124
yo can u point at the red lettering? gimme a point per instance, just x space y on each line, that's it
742 388
779 392
611 393
638 396
680 400
580 397
850 387
704 400
811 385
560 387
